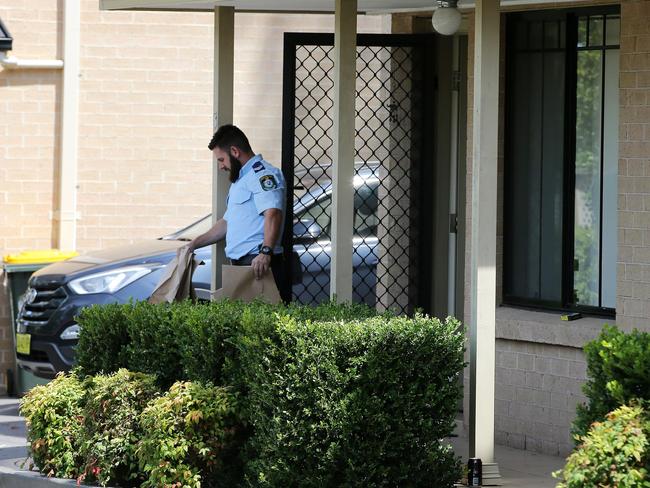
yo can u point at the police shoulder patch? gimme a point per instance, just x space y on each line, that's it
268 182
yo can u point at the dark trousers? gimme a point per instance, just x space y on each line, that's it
278 270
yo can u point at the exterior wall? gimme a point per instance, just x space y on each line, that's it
538 388
633 280
145 120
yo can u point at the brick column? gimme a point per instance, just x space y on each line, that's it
633 273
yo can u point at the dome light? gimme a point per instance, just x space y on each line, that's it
446 18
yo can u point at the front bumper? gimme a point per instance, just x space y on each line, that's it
49 354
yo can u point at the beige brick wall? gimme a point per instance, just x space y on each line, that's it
538 388
145 120
633 280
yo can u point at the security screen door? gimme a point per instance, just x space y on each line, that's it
393 210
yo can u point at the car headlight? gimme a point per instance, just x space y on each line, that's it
71 332
109 281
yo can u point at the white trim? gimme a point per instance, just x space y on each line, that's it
483 236
223 93
345 76
453 181
12 62
67 228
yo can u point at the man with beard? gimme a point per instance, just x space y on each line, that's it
252 224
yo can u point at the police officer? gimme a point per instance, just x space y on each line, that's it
252 224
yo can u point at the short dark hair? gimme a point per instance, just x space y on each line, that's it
229 135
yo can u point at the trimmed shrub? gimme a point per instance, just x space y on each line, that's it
183 341
206 344
103 340
614 453
352 404
191 438
328 396
111 430
153 347
618 366
53 414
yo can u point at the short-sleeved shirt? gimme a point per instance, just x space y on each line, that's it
260 186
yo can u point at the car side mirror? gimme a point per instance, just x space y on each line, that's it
306 229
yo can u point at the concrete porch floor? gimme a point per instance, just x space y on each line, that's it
522 469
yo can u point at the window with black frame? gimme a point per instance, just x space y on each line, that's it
560 236
6 40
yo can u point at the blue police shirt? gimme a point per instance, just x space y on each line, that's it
260 186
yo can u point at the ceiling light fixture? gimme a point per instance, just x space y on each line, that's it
446 18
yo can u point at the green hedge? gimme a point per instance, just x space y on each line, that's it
182 341
618 368
353 404
324 396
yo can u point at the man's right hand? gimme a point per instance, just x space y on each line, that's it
189 246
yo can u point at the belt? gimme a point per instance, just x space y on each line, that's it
248 259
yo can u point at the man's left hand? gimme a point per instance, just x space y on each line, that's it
261 265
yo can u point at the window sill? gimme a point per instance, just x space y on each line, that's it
517 324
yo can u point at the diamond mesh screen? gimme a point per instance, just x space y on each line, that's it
388 115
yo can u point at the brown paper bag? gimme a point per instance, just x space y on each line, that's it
176 281
239 283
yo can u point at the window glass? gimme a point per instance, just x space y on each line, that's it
320 213
551 34
560 244
610 180
535 35
582 31
587 178
613 30
595 31
365 210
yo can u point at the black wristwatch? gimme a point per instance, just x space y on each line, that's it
266 250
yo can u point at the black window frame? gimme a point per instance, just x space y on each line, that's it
571 49
6 41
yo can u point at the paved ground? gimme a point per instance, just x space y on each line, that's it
12 434
518 468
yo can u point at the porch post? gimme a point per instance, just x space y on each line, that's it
224 51
345 75
484 225
66 214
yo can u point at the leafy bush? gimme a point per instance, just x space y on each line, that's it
614 453
154 332
618 366
352 404
190 438
111 430
182 341
102 343
328 396
54 425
